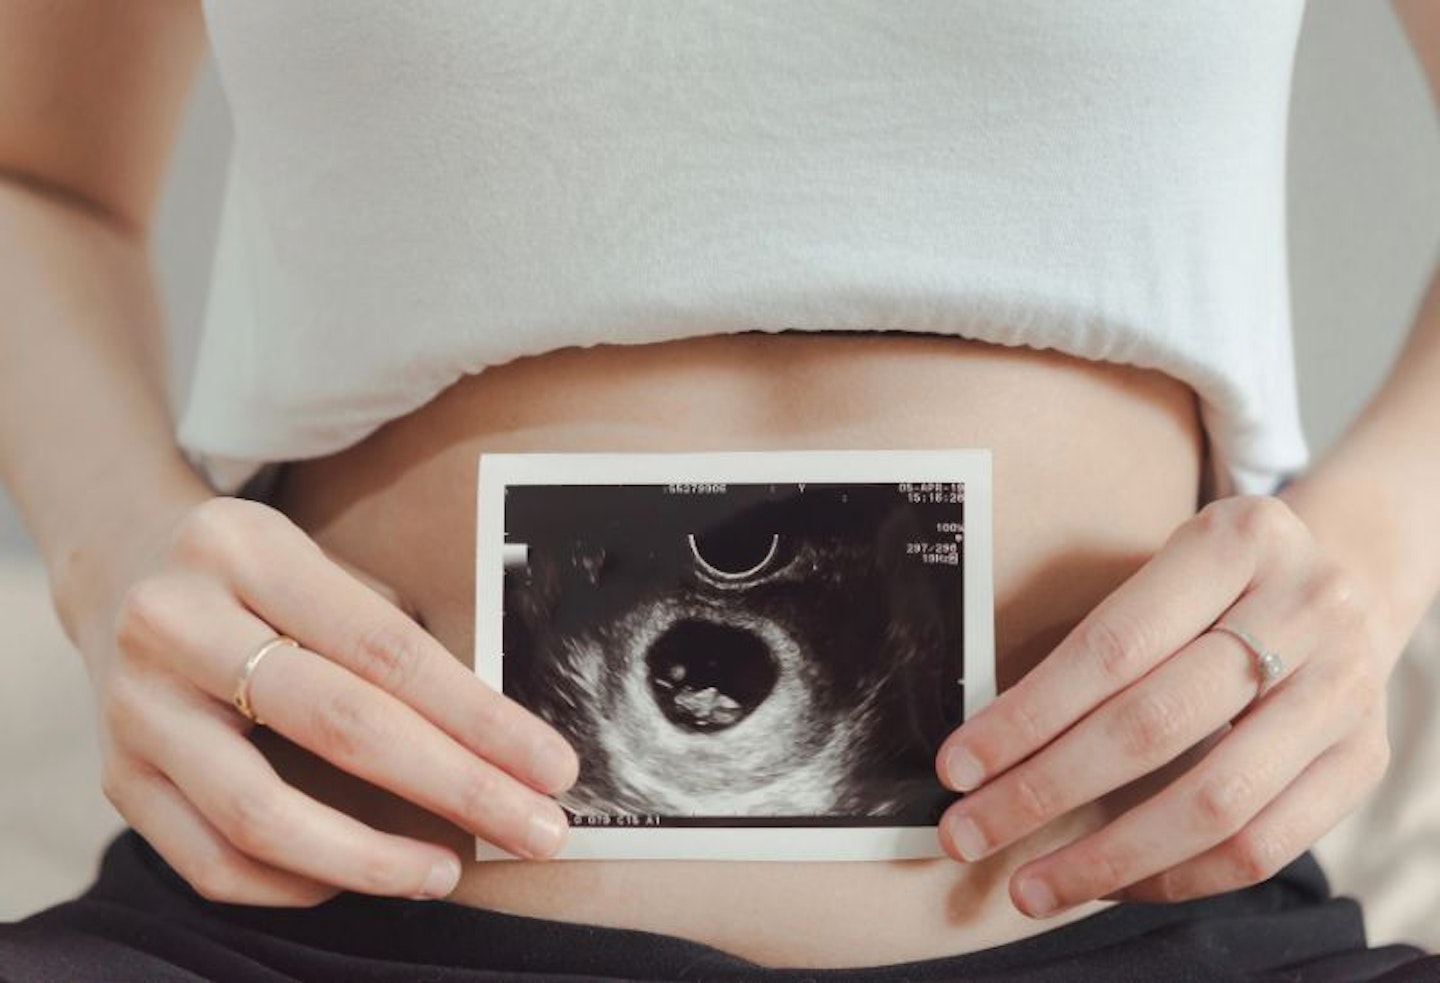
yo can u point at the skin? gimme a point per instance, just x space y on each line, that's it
400 504
132 536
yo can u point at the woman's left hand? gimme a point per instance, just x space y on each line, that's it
1141 680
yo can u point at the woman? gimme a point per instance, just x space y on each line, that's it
463 227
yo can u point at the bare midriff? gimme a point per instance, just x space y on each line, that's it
1095 464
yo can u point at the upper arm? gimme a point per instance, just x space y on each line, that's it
91 94
1421 21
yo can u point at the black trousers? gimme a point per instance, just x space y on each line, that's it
140 921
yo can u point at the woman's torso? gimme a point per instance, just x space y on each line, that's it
434 187
1094 465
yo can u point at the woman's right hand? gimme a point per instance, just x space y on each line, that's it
165 639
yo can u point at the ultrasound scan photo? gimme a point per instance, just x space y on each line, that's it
747 655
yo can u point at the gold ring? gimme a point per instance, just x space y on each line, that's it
1271 666
241 698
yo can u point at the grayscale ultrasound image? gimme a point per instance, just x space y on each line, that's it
740 655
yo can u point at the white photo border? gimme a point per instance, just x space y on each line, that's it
972 466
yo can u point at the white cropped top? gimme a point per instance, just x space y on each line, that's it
420 189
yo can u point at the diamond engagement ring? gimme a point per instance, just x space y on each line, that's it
1271 666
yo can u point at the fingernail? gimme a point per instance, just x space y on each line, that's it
967 837
442 878
545 832
551 760
963 769
1036 896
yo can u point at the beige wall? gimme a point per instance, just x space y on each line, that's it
1364 204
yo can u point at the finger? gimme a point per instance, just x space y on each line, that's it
1326 792
362 729
1262 754
1135 732
311 599
237 791
156 809
1205 565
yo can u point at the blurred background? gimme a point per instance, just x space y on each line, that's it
1364 218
